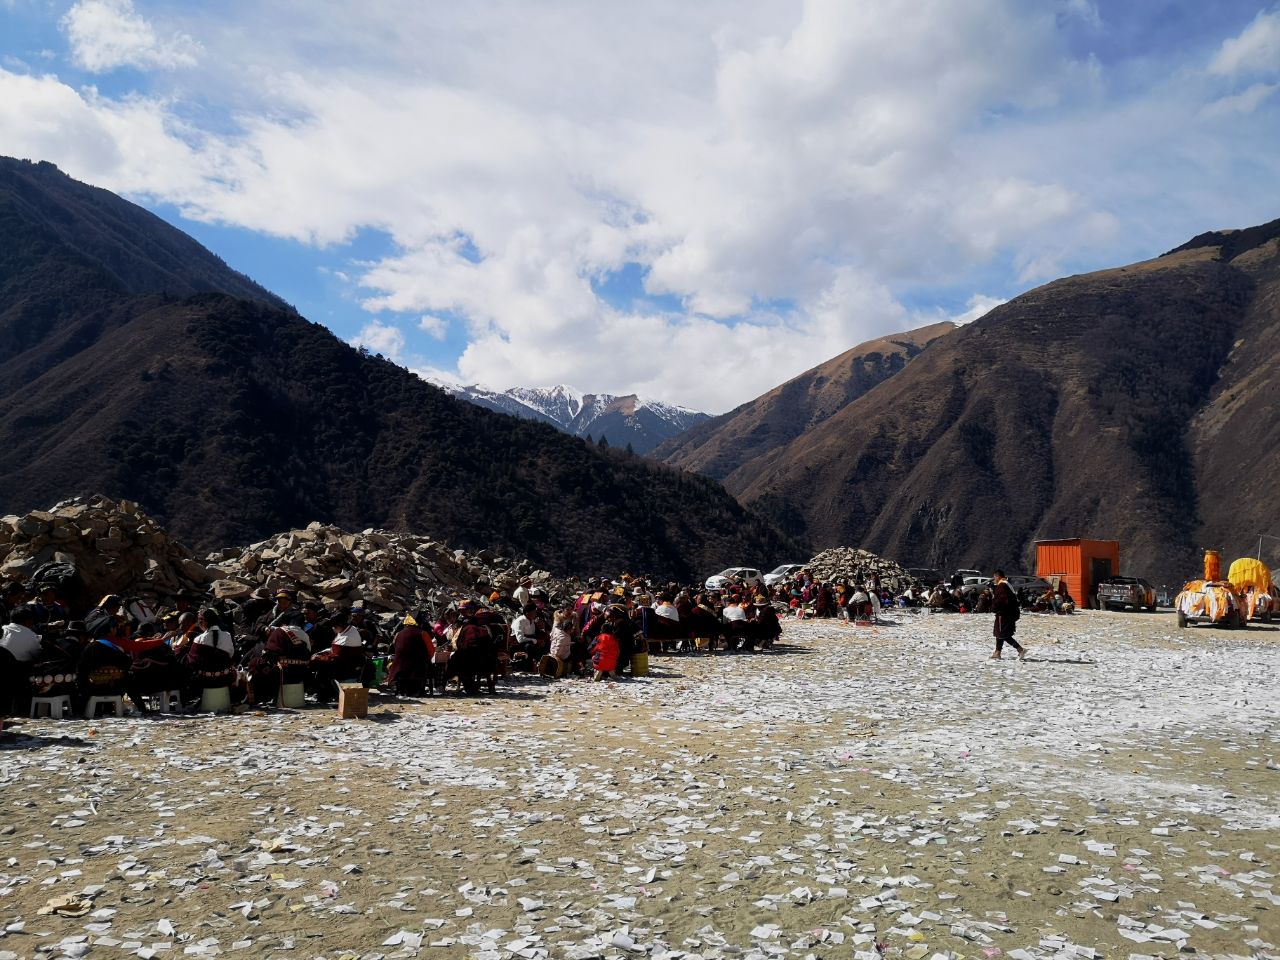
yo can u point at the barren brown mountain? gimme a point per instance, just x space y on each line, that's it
230 417
1139 403
720 446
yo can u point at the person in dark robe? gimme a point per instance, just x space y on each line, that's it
154 668
1004 604
210 656
282 658
762 621
345 659
412 650
103 668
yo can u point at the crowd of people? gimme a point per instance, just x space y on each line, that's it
864 596
139 649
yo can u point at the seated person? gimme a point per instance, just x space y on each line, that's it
209 656
605 654
343 661
528 637
412 650
103 668
763 626
154 667
20 648
284 657
860 606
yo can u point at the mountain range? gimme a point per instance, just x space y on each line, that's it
1137 403
138 365
721 445
623 421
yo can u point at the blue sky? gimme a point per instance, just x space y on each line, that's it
691 201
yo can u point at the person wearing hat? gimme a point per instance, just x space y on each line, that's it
105 615
103 667
283 612
51 609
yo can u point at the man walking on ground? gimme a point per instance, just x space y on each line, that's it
1004 604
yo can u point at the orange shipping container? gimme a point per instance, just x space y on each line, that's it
1082 563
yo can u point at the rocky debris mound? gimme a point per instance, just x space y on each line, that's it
386 572
857 564
113 546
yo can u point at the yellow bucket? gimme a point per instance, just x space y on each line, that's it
702 643
639 664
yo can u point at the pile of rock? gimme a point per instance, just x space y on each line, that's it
114 547
388 572
857 564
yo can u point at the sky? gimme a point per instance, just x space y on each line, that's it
692 201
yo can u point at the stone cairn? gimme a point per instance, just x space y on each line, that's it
116 548
385 572
858 565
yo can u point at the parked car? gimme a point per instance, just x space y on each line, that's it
1210 601
1036 586
748 575
785 572
1116 593
927 575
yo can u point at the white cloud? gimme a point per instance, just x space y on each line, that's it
378 337
1256 50
1244 102
786 172
107 34
435 327
979 305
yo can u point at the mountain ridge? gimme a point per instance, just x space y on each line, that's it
720 446
621 419
231 417
1131 403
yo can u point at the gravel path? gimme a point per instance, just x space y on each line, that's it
1117 795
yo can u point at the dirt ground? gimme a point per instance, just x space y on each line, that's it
1116 795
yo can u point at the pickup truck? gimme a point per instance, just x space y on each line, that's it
1116 593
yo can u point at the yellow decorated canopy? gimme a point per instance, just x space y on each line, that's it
1247 572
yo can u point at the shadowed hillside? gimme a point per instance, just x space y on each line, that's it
1137 403
722 445
230 417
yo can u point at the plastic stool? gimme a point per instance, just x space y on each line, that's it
55 708
115 703
292 695
166 701
215 700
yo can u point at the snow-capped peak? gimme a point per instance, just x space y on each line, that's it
623 420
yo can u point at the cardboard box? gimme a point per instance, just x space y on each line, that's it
353 701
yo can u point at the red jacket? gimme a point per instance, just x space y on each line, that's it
604 653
